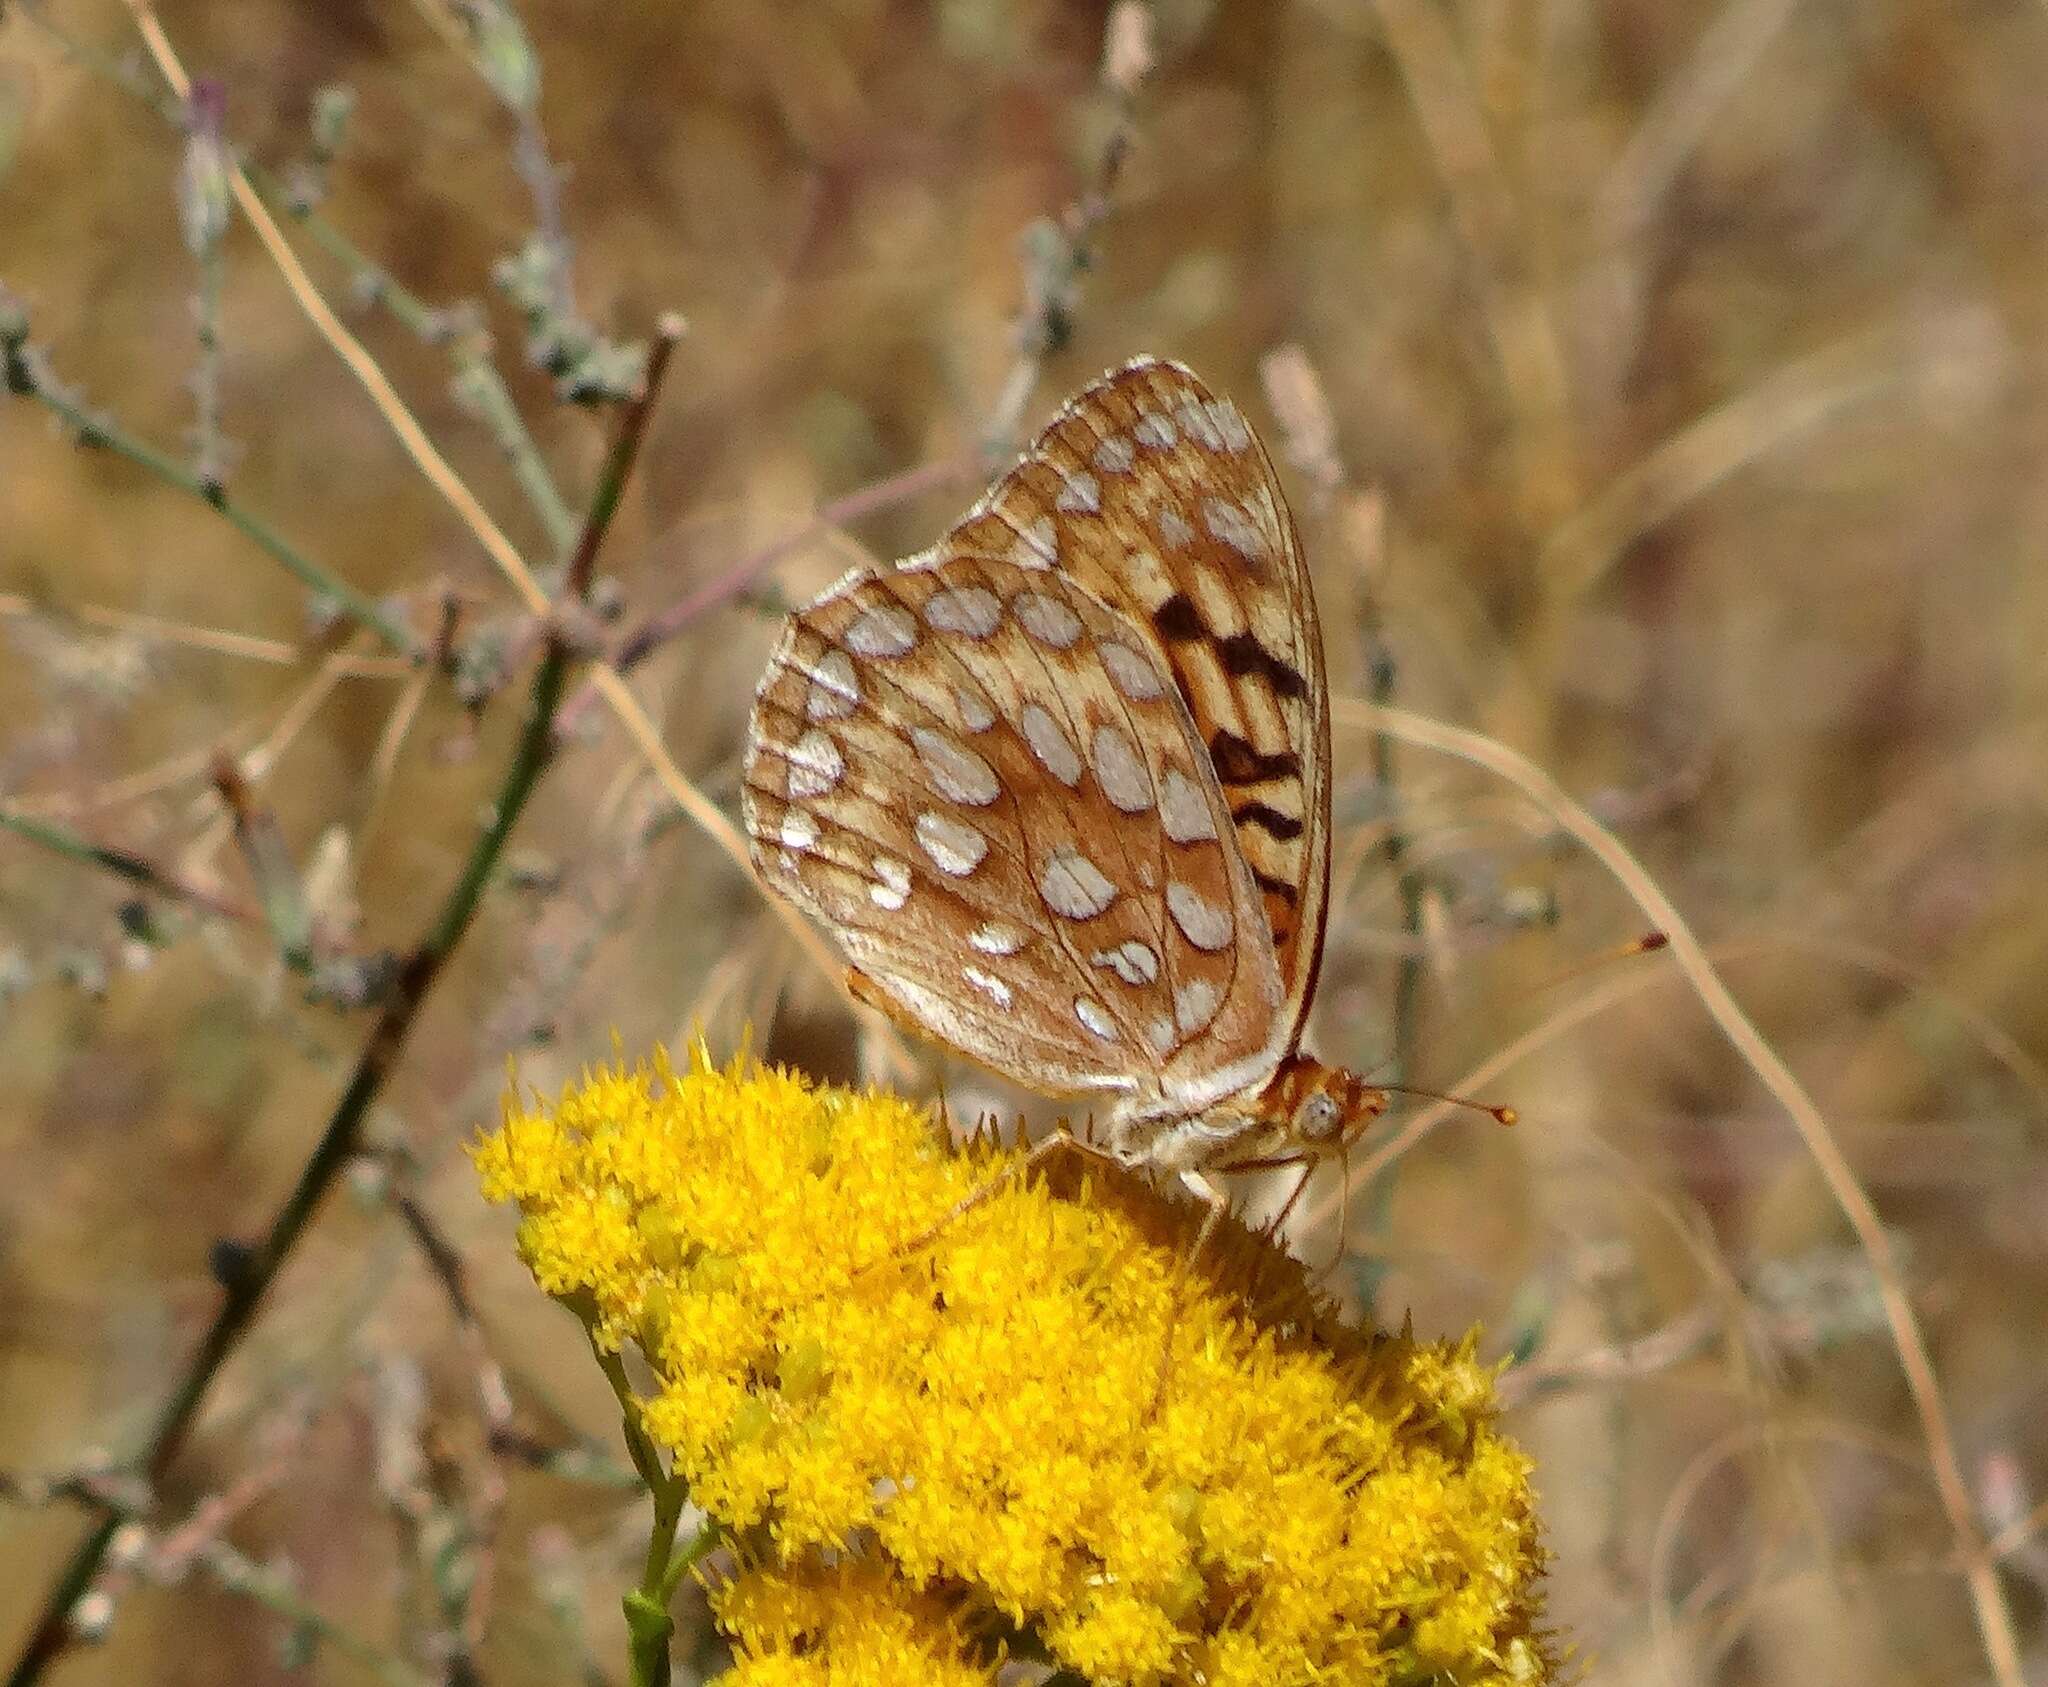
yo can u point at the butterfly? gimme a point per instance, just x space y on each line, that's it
1060 785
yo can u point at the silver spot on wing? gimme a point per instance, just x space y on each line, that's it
882 629
956 772
1203 923
1073 886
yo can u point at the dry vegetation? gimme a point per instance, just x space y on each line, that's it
1684 425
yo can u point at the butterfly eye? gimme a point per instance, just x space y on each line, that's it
1319 1116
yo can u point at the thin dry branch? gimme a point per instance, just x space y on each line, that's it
222 641
1691 1332
126 864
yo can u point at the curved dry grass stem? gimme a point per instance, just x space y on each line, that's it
1793 401
1994 1621
1694 1477
439 474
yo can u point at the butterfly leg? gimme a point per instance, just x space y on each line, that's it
1307 1160
1212 1197
1294 1195
1217 1201
1308 1164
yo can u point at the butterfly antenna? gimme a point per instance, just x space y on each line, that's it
1506 1115
1644 943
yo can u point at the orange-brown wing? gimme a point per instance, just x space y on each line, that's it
982 779
1155 495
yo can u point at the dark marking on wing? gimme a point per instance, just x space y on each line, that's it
1178 620
1276 887
1243 654
1237 763
1282 827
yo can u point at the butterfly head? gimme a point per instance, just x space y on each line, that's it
1319 1107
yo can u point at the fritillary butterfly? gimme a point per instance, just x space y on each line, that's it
1061 783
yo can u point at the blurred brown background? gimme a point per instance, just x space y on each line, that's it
1696 353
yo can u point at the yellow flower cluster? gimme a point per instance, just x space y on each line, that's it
852 1624
1036 1410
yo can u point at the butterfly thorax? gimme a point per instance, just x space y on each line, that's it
1305 1110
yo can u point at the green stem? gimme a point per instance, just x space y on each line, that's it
478 382
26 376
645 1455
649 1626
122 863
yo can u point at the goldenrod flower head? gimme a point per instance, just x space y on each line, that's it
1161 1474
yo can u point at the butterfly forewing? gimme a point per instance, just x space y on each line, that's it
1060 784
1156 496
984 780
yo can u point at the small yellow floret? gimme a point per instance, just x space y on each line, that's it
1161 1475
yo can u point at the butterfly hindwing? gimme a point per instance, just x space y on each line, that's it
982 778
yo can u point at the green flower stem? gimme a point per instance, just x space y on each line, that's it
649 1626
